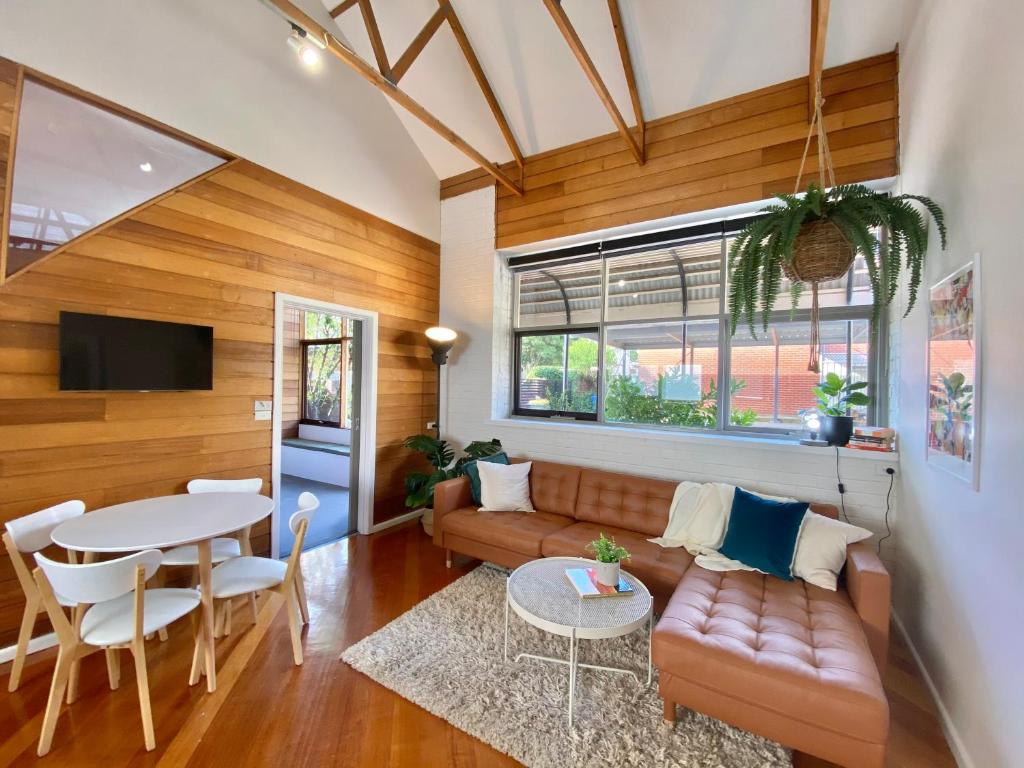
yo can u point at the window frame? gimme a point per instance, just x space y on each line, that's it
305 344
877 370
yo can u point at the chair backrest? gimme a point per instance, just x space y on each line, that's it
31 533
308 505
97 582
251 485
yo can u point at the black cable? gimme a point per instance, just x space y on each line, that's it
842 488
888 531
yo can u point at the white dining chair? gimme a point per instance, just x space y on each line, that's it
223 547
242 575
119 613
26 536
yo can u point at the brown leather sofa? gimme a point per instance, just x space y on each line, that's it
793 662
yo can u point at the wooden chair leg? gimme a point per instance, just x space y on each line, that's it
447 558
113 667
300 590
293 625
252 606
61 673
670 711
229 607
162 634
142 678
197 653
28 623
76 665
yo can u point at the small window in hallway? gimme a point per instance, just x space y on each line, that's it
326 370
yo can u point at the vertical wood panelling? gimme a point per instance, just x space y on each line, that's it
735 151
212 254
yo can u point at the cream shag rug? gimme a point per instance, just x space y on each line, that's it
446 656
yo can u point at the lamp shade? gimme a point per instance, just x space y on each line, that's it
441 341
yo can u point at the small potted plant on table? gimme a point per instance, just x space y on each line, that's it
836 396
609 556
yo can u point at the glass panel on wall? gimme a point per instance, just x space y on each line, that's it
323 385
77 165
771 386
646 286
569 294
558 372
663 374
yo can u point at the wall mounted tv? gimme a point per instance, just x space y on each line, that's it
100 352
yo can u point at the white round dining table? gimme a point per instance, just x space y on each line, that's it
164 522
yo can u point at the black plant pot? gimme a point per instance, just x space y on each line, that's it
836 430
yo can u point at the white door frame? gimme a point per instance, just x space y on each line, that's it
367 410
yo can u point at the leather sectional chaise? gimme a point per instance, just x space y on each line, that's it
785 659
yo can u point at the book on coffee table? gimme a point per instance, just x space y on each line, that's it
586 584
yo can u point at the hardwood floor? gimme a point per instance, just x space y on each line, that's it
267 712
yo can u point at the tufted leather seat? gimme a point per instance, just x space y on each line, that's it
786 644
790 661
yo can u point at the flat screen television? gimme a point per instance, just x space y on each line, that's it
101 352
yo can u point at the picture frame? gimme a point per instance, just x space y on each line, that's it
953 359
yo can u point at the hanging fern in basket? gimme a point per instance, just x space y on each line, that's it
815 238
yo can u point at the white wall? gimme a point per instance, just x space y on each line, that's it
474 292
220 70
960 593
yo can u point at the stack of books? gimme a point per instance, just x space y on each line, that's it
587 585
873 439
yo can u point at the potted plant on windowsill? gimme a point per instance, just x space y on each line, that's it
836 396
419 486
608 556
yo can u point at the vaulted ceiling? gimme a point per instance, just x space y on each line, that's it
685 53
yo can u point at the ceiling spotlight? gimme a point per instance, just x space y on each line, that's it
308 53
145 167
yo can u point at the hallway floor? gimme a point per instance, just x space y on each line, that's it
331 521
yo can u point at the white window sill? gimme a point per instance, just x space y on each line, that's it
767 443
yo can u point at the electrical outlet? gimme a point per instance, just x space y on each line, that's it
883 470
431 425
263 405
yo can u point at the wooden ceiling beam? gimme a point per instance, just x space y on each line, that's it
365 70
376 42
481 79
819 33
417 45
627 67
340 8
576 46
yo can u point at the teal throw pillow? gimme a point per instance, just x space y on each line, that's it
762 533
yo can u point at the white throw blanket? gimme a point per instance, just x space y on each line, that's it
698 517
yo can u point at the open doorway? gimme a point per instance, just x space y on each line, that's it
319 417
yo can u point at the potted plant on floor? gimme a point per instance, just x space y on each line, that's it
836 396
419 486
608 556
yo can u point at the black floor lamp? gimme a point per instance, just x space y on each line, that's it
441 341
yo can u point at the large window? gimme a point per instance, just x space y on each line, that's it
326 370
643 338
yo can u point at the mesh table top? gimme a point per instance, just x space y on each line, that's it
540 593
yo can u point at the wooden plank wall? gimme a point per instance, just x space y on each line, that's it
212 253
739 150
291 365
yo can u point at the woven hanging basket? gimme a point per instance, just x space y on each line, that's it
821 252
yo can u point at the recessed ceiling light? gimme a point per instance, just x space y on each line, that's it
145 167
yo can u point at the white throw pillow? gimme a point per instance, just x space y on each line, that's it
821 549
505 487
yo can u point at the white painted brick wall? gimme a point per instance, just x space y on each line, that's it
475 301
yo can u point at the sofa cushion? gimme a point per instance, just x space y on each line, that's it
782 645
520 532
553 487
659 568
635 503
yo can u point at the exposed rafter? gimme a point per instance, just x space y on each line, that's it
340 8
576 46
819 33
627 67
376 42
417 45
297 16
481 79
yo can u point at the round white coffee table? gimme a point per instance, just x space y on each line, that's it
540 594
